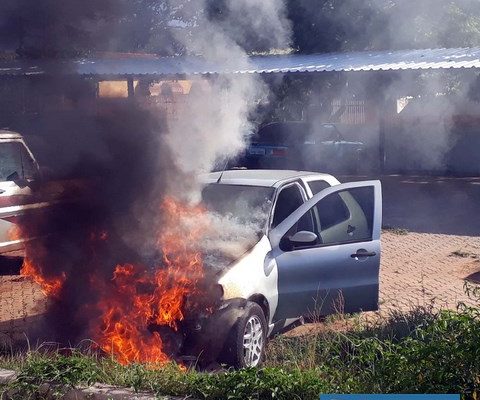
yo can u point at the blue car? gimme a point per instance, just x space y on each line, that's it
303 146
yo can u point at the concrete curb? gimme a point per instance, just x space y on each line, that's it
95 392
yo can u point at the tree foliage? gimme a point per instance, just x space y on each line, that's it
72 28
349 25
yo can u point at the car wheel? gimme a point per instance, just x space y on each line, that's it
245 346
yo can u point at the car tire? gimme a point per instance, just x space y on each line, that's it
246 342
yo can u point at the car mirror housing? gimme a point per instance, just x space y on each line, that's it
303 238
299 239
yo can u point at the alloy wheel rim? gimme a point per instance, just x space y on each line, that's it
253 341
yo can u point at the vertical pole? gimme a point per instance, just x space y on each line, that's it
381 139
131 89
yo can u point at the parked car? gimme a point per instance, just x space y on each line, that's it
325 149
301 145
18 170
318 252
24 189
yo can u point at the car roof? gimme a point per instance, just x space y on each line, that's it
6 134
263 177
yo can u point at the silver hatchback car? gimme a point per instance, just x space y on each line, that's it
318 253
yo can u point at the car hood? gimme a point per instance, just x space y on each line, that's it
223 255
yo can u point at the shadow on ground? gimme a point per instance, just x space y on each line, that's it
444 205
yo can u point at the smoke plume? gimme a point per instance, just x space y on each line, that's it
133 243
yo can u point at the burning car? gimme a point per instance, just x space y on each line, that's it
317 252
19 171
25 190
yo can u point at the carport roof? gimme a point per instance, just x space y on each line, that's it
171 66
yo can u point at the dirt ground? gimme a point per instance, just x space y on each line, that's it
427 261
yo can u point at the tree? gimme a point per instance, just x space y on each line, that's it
346 25
72 28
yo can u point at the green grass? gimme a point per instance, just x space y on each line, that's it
422 351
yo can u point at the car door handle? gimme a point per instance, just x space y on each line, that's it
363 253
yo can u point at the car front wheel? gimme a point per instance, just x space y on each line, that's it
245 346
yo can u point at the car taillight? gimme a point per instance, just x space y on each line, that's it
279 152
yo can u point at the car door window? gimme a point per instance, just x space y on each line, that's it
346 216
10 160
341 217
288 200
14 157
29 168
317 186
332 211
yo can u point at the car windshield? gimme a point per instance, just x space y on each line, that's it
248 205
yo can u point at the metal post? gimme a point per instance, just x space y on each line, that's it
131 89
381 139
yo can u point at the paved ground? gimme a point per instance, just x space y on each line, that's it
444 205
429 262
417 269
420 268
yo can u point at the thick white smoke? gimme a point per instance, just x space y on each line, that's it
213 123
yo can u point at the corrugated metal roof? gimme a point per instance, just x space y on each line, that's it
355 61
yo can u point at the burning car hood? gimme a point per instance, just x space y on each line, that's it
225 256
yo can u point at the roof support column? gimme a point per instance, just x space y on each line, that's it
381 141
131 88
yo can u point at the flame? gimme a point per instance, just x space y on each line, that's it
51 287
140 299
140 308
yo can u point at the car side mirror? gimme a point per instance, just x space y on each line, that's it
299 239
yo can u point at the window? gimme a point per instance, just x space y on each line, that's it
346 216
29 168
341 217
249 205
332 211
10 161
14 157
289 199
318 186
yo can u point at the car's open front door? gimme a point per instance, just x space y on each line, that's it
335 267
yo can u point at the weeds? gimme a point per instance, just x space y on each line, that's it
422 351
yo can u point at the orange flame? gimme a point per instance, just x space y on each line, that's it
139 303
50 286
129 311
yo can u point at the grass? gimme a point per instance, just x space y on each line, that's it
422 351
